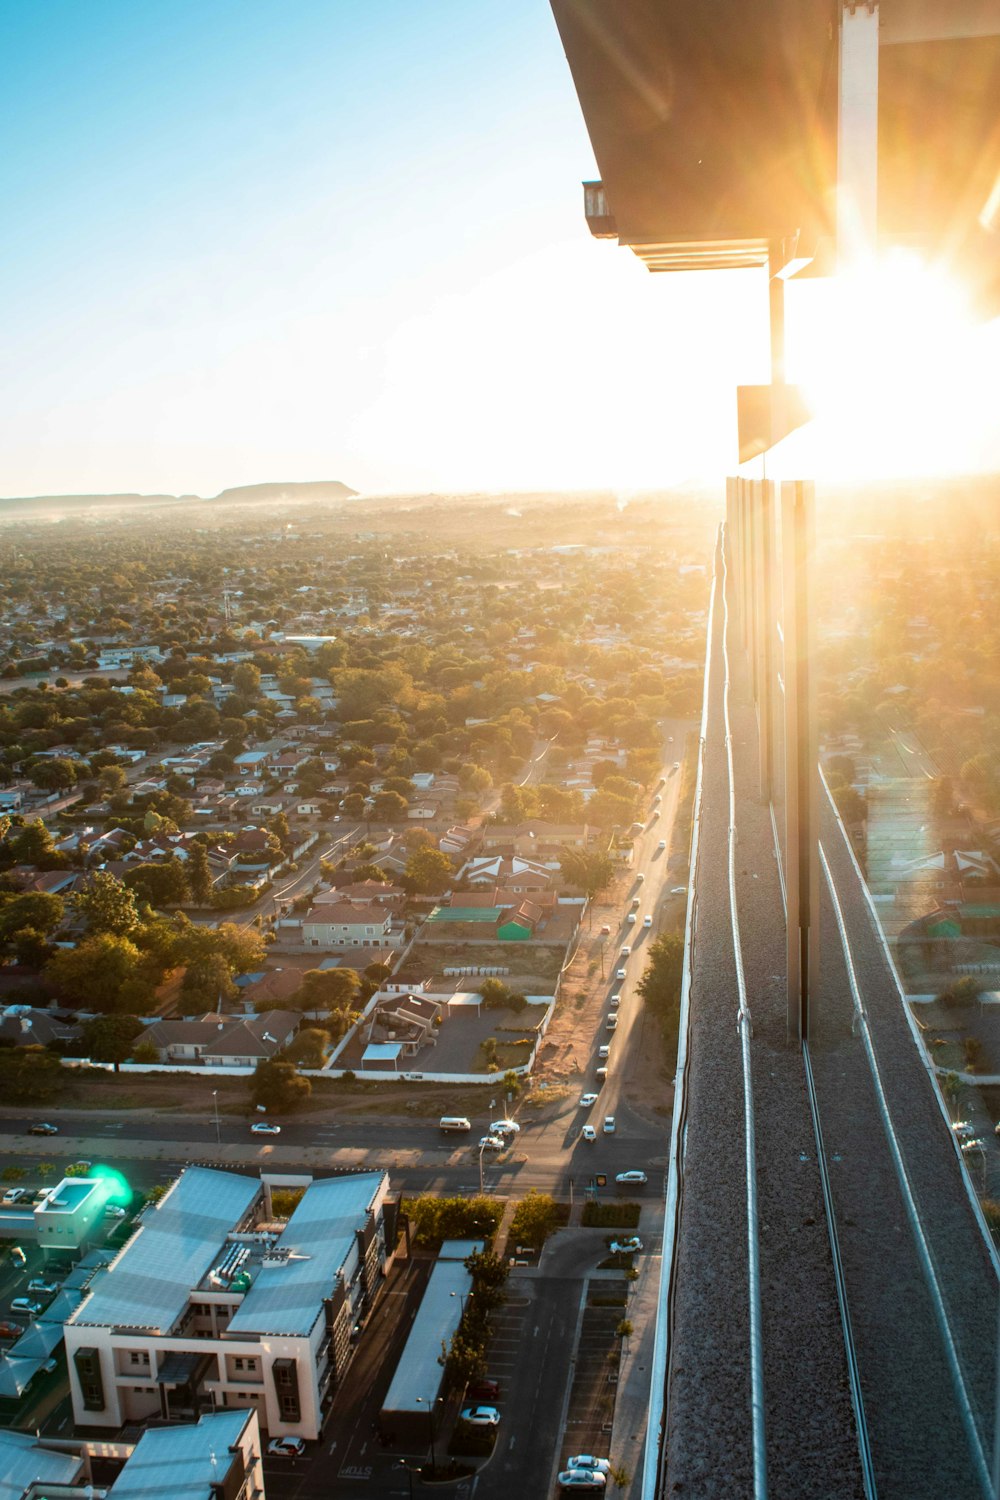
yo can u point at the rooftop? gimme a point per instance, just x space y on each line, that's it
186 1460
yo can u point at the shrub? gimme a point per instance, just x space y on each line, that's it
611 1215
991 1213
471 1442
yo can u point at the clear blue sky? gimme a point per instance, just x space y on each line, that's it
282 239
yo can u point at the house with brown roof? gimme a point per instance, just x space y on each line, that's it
221 1040
346 924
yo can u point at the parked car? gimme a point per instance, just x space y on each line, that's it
627 1246
605 930
112 1211
11 1330
286 1447
588 1133
43 1128
609 1129
582 1479
586 1100
587 1461
481 1416
678 890
505 1127
26 1305
14 1195
263 1127
492 1143
632 1176
483 1390
43 1288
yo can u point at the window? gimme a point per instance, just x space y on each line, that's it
237 1364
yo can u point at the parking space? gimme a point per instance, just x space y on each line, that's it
592 1399
507 1340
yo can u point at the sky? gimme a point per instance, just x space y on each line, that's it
253 240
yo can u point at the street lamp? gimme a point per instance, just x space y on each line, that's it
218 1127
402 1464
482 1148
426 1401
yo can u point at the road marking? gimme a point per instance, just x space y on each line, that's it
511 1443
332 1446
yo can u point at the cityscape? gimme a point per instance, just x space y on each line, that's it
499 946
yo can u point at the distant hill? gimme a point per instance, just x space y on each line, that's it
317 491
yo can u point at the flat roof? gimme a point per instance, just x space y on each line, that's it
382 1052
418 1375
70 1193
150 1283
186 1460
321 1233
23 1461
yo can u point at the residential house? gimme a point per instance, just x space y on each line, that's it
221 1041
346 924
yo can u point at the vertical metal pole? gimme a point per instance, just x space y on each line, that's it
765 564
857 137
801 774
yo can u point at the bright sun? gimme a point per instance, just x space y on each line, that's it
900 377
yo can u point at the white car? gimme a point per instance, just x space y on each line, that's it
621 973
609 1129
678 890
588 1133
286 1447
263 1128
632 1176
677 765
505 1127
662 845
615 1000
626 950
611 1021
964 1129
481 1416
112 1211
640 877
582 1479
586 1100
627 1246
647 921
587 1461
601 1073
492 1143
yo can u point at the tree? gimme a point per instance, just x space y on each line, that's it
327 989
163 883
534 1219
199 875
512 1081
13 1174
207 981
112 779
309 1048
108 905
29 1075
660 985
110 1038
243 948
246 680
489 1278
54 774
146 1052
278 1087
389 807
428 872
588 870
37 910
31 948
464 1361
96 972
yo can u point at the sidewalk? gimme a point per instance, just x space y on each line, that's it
628 1437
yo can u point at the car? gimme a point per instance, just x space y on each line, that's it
631 919
621 973
604 1050
587 1461
43 1288
633 1175
263 1127
678 890
626 950
82 1166
10 1330
654 815
628 1246
492 1143
601 1073
647 921
43 1128
481 1416
484 1389
657 800
582 1479
286 1447
112 1211
588 1133
586 1100
640 877
611 1021
609 1129
677 765
963 1129
661 845
505 1127
616 1000
605 930
975 1144
14 1195
25 1305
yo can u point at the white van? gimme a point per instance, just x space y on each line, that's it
454 1122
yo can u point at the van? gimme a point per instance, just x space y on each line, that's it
454 1122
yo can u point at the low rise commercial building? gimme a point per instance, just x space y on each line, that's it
212 1304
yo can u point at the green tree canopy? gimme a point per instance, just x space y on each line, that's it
327 989
428 872
101 973
278 1087
110 1038
107 905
